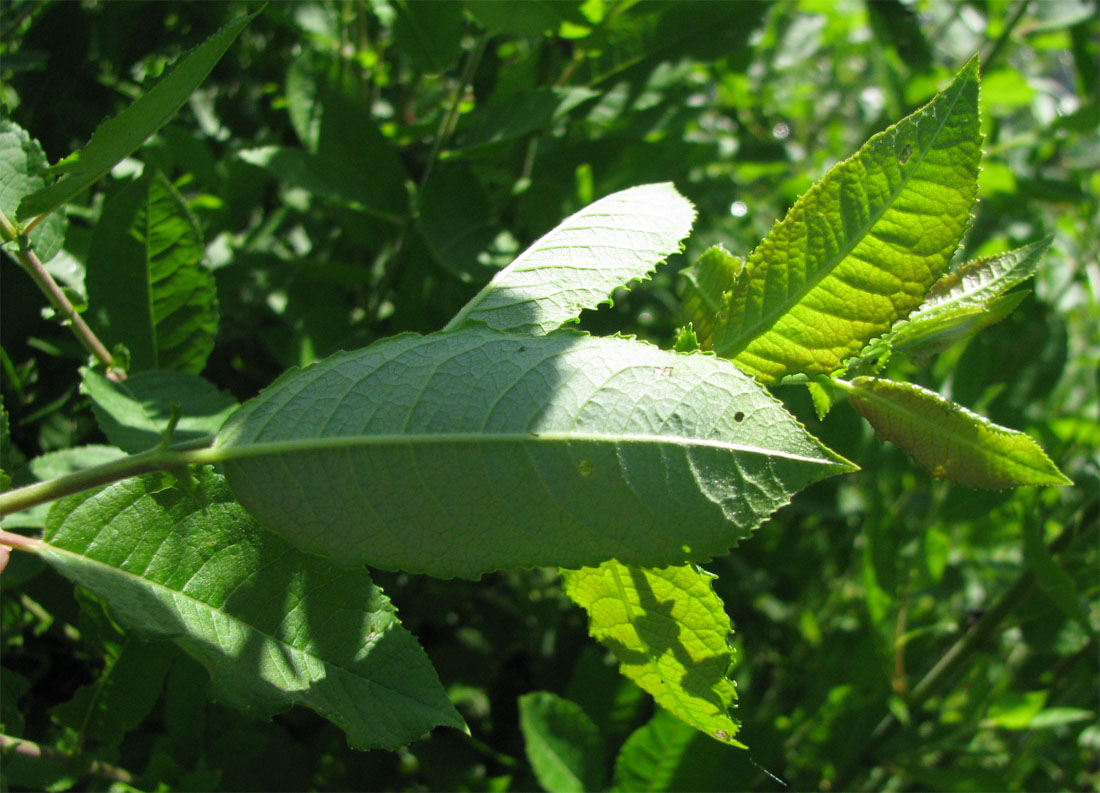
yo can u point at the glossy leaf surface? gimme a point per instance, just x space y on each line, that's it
469 451
670 632
577 265
860 249
949 440
275 627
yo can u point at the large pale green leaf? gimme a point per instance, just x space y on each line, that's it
119 136
562 744
860 249
468 451
949 440
967 300
577 265
274 626
148 285
23 169
135 413
670 633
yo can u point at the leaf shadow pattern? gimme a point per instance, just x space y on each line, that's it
661 633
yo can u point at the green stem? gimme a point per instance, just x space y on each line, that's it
1002 40
134 465
33 265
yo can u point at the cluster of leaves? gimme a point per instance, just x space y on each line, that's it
366 190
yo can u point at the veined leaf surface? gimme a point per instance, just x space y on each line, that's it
23 170
148 285
468 451
949 440
275 627
860 249
968 299
669 631
577 265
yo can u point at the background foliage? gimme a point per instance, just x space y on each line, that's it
359 169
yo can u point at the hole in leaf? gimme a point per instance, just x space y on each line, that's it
739 417
585 467
905 154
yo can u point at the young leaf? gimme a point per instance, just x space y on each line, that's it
713 274
670 633
619 239
970 298
134 414
860 249
148 286
562 744
464 452
121 135
949 440
23 168
274 627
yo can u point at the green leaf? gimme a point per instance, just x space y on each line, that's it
1053 581
619 239
970 298
457 221
119 136
468 451
562 744
123 695
23 169
355 164
949 440
134 414
713 274
148 286
429 32
670 633
654 755
526 18
860 249
274 627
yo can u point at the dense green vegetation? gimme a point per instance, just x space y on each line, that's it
348 172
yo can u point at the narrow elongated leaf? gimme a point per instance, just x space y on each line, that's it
469 451
577 265
274 626
562 744
23 169
135 414
147 283
119 136
968 299
712 275
670 632
949 440
860 249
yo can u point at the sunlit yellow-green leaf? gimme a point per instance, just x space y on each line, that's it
670 632
859 250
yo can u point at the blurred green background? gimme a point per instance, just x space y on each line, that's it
362 168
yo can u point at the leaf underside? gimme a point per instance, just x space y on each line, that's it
669 631
949 440
576 265
275 627
464 452
860 249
